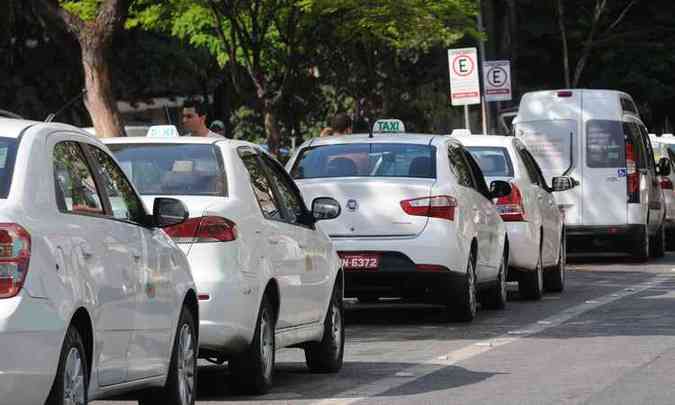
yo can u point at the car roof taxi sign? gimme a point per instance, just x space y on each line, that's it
388 126
162 131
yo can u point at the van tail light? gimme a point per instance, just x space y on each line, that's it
666 184
14 259
511 207
565 93
203 229
632 175
440 206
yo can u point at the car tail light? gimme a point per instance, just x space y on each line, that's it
14 259
440 206
632 175
666 184
511 207
203 229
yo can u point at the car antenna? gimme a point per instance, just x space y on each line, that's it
51 116
168 116
370 126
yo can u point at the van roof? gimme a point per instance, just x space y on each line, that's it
568 104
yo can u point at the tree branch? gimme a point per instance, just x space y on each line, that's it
73 23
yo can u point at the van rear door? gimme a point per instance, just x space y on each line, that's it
604 185
555 146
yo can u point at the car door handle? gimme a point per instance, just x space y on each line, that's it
273 241
136 256
86 253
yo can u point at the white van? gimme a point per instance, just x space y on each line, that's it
598 138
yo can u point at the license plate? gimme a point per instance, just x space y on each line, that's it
361 261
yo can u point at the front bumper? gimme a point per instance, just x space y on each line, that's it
31 335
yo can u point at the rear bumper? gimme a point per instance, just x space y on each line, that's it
31 334
597 238
399 273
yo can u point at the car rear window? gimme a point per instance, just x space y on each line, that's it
605 144
493 161
7 156
366 160
172 169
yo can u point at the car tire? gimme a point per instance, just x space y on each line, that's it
72 375
252 370
658 243
531 283
641 249
554 279
327 356
495 297
181 382
463 304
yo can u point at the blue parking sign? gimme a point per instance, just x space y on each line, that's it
621 172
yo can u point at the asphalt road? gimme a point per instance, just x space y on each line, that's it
608 339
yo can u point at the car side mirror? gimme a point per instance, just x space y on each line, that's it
499 188
664 167
563 183
168 212
325 208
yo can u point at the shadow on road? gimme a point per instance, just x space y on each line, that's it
293 378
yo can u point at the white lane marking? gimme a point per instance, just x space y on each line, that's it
422 370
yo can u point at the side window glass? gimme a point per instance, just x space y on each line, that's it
459 167
481 187
123 199
541 181
261 186
290 197
74 184
531 171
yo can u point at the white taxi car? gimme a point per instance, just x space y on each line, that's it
94 301
533 220
267 277
418 220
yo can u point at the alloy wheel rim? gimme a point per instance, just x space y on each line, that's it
73 379
502 280
472 289
186 365
266 344
336 319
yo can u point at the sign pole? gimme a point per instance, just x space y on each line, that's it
467 121
481 58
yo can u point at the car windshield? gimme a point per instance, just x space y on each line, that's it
172 169
493 161
7 155
366 160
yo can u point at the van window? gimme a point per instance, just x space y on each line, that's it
628 106
551 142
605 144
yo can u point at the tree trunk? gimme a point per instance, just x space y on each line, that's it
271 127
99 99
563 35
515 54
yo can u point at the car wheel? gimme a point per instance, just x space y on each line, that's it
182 378
658 246
72 377
554 279
495 297
641 251
531 283
327 356
252 371
463 305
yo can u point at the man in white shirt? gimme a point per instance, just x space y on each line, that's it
194 119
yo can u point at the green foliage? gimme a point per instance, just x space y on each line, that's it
87 10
